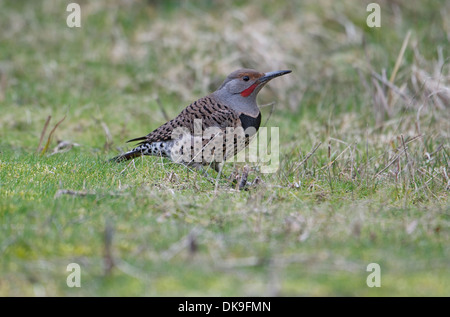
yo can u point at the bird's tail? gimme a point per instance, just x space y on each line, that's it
127 156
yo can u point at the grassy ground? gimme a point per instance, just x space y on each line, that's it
364 150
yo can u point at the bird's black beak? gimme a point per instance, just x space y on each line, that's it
271 75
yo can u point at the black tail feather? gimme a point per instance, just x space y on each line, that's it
137 139
126 156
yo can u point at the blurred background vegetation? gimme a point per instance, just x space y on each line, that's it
305 230
180 50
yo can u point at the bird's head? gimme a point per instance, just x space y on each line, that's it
248 82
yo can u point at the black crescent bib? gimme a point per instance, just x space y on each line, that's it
248 121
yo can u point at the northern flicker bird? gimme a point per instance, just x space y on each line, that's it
211 129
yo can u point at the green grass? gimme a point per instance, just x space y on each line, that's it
309 229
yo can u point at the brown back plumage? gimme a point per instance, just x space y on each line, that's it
212 114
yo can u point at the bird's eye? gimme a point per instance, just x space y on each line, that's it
246 78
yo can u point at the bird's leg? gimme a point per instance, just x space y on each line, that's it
200 168
217 167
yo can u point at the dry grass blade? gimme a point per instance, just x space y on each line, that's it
440 147
271 105
128 165
391 86
331 162
44 130
63 146
243 181
380 103
109 138
61 192
164 113
3 85
50 136
432 88
216 186
108 259
408 162
396 157
404 148
397 64
307 156
413 139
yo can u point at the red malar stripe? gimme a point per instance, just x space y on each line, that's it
247 92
